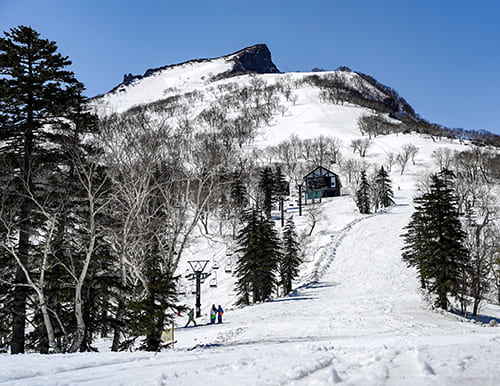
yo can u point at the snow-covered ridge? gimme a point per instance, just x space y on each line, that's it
178 79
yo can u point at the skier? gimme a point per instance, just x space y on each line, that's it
213 312
191 318
220 312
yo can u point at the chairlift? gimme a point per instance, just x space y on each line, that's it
193 289
229 267
181 290
215 264
213 281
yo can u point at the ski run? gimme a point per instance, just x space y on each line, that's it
360 319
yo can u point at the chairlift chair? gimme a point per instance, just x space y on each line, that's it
181 290
213 281
215 264
229 267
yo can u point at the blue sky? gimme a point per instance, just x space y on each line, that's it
443 57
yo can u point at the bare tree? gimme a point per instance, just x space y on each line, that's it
413 150
282 109
162 182
404 156
48 238
482 242
35 278
443 158
361 146
313 214
391 159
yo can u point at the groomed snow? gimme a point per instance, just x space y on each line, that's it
361 322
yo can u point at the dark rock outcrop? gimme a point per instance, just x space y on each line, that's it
255 59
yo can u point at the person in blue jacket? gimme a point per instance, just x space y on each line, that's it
220 311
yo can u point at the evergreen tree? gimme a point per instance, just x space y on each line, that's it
434 241
267 185
247 264
269 257
259 258
239 194
384 196
291 259
281 185
363 195
36 93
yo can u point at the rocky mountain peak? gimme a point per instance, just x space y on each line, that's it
256 59
253 59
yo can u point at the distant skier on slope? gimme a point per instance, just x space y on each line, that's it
213 313
220 311
191 318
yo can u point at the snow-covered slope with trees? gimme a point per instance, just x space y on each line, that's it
362 320
357 315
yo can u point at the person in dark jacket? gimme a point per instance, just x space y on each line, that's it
191 318
213 313
220 311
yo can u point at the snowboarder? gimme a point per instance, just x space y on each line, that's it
213 312
219 315
191 318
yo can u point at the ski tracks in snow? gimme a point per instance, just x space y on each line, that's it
328 252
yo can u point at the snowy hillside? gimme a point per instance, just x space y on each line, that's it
357 315
362 321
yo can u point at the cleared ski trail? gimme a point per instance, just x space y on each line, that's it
362 322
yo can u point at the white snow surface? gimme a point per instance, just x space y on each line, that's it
361 321
357 316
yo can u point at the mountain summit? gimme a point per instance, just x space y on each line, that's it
253 59
256 59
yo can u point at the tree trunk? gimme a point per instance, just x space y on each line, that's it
20 292
48 325
120 312
80 323
19 308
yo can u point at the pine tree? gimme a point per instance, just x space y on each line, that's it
247 264
259 256
267 185
291 259
281 185
384 196
434 241
363 195
36 92
239 194
269 257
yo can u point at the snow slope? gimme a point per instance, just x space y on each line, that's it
361 322
357 316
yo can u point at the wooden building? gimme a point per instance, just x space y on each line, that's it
322 182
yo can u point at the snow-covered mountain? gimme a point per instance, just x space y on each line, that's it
178 79
357 315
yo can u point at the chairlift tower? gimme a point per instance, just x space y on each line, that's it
198 266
